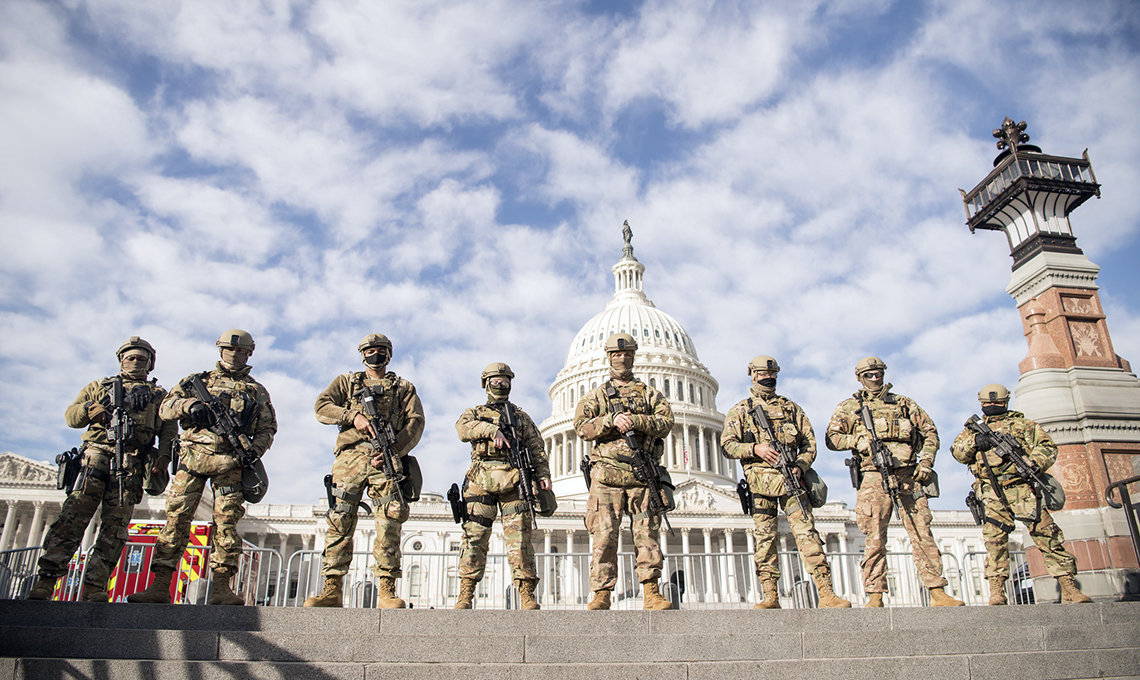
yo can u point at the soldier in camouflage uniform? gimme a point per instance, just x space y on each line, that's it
492 484
95 484
1015 498
208 456
744 440
358 466
912 439
614 490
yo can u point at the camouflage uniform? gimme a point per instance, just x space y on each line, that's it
339 404
492 484
613 489
792 428
206 456
1042 452
95 485
912 439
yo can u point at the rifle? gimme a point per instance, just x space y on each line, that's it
519 457
793 483
120 431
383 440
644 468
881 458
226 424
1010 449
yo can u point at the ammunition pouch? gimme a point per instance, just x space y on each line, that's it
856 471
816 488
69 463
413 483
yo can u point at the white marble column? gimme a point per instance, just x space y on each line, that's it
37 526
705 454
671 452
730 569
544 568
688 561
710 594
751 581
9 525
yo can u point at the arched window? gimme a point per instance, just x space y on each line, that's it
666 388
691 400
415 580
653 383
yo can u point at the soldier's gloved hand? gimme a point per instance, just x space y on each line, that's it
923 473
201 415
982 442
863 444
98 413
247 458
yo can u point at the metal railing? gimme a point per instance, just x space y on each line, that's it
1018 588
1130 508
259 572
692 581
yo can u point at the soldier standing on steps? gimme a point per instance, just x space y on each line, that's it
912 440
1013 497
745 440
614 489
358 466
96 485
492 484
209 456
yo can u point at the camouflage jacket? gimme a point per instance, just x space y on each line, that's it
900 423
247 398
593 421
791 426
1038 445
143 399
396 402
479 424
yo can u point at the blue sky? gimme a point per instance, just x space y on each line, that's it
455 175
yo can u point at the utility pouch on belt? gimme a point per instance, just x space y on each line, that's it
855 470
977 508
931 488
413 482
68 463
547 503
458 505
745 493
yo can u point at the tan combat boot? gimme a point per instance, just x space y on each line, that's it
651 597
95 594
44 588
332 595
771 595
601 600
874 601
387 597
466 593
1070 594
997 590
220 592
526 595
827 597
158 592
939 598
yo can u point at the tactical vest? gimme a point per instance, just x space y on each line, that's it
783 426
484 449
632 398
141 400
239 396
894 427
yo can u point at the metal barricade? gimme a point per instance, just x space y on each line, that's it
1018 588
1130 508
17 572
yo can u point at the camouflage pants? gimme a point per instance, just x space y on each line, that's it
181 503
516 532
603 519
803 528
1046 534
873 510
352 472
79 507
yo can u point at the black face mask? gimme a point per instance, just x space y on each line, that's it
994 410
376 360
770 383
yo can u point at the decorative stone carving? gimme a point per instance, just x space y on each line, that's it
20 469
1086 339
1076 305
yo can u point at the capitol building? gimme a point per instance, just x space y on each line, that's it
708 555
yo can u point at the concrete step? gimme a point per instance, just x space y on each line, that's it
42 639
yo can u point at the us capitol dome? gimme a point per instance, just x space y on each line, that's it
667 360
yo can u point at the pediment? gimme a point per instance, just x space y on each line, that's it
15 468
698 496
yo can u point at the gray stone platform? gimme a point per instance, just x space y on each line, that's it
133 642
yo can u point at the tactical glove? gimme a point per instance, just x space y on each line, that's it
201 415
922 473
97 413
982 442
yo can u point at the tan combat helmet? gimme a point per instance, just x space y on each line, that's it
620 342
494 370
869 364
763 363
375 340
137 343
235 338
993 393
